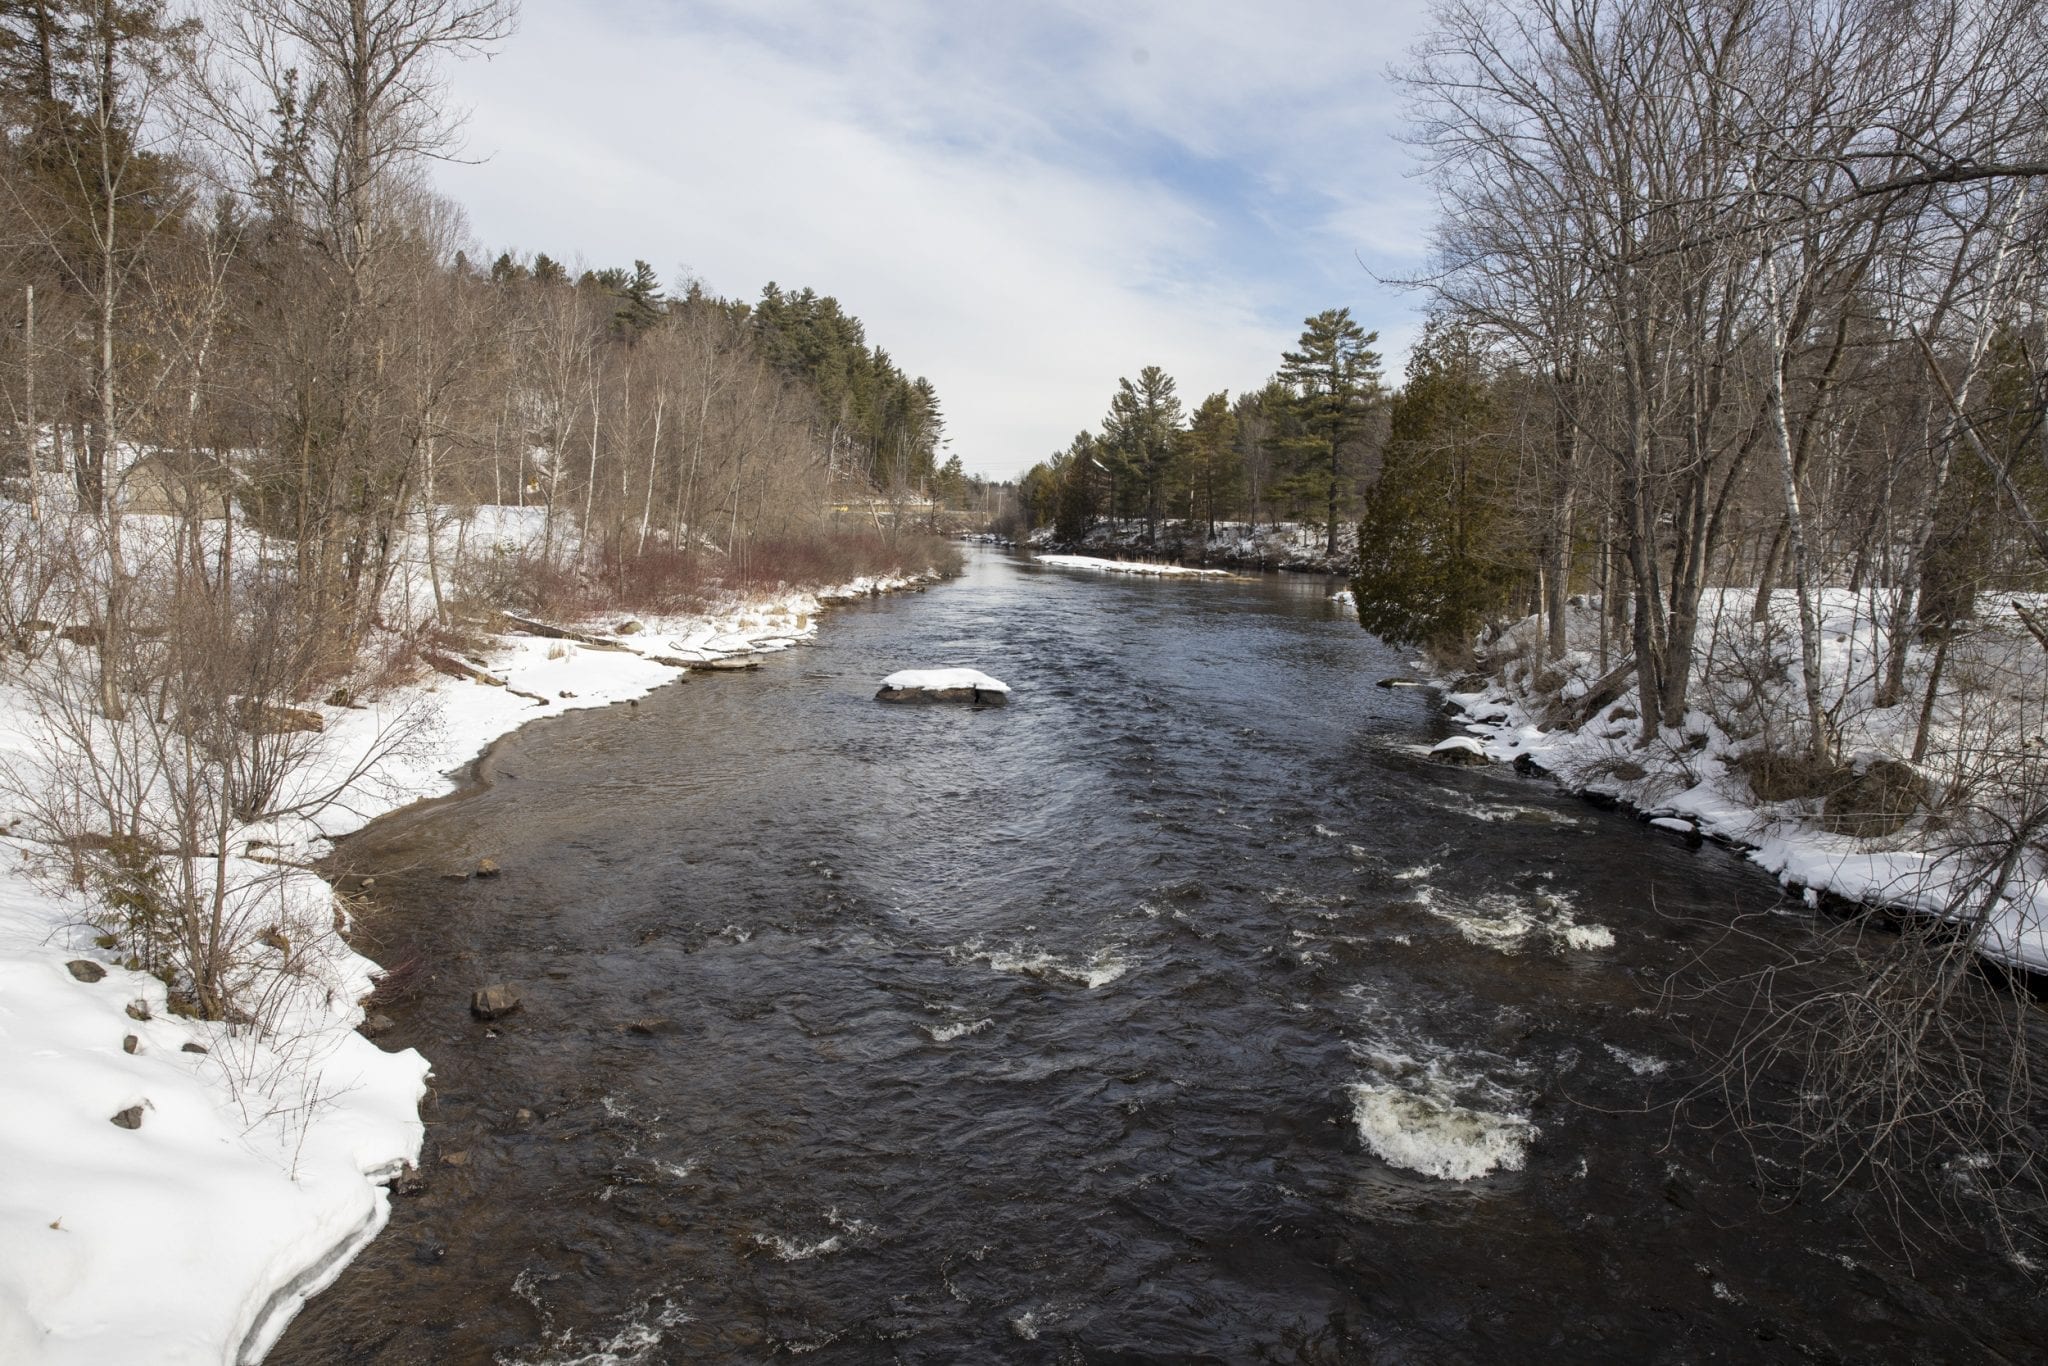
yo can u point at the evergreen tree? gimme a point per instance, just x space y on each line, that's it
1142 427
1335 380
1436 543
1210 464
1080 475
506 270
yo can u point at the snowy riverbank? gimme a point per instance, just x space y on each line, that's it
1930 837
1294 546
176 1188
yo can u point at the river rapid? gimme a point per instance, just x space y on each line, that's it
1179 1011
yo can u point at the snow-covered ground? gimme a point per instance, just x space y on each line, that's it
1268 545
1127 567
1982 761
174 1188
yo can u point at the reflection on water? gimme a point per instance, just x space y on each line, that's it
1176 1012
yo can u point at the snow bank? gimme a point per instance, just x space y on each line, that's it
1692 781
255 1168
1264 545
1129 567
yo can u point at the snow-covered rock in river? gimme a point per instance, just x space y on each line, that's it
1459 749
943 685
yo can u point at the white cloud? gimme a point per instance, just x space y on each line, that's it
1022 202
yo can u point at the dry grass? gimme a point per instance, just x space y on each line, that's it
668 581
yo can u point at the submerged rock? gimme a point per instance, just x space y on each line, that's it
943 685
494 1002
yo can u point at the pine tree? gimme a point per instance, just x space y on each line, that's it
1142 427
1210 464
1335 379
1436 543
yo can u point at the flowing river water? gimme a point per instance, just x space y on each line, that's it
1179 1011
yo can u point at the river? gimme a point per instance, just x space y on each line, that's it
1179 1011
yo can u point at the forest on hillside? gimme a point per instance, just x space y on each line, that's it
228 286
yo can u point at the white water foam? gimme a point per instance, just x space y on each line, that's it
1526 815
1505 921
1642 1064
1424 1131
1099 969
1432 1109
946 1033
631 1344
790 1250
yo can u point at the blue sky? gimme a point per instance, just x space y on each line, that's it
1023 201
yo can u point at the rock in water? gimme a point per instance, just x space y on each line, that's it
486 867
1459 749
493 1002
943 685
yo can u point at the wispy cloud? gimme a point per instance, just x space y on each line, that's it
1023 201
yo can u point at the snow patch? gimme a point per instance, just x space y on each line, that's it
1129 567
940 680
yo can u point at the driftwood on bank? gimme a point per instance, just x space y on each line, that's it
552 632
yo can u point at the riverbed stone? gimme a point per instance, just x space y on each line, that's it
943 685
487 867
1460 750
494 1002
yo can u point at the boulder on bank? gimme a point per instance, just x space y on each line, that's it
1876 802
943 685
1459 749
